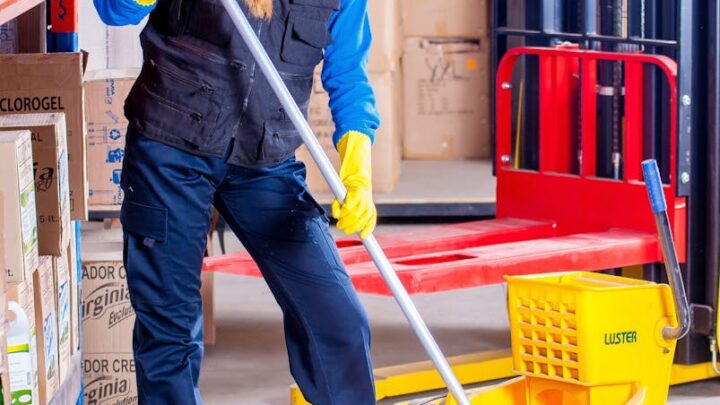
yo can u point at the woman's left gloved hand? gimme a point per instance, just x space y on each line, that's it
357 213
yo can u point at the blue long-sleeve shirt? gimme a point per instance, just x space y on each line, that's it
344 73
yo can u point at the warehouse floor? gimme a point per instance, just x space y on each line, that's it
248 364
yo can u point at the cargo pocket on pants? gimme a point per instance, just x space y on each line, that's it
145 228
147 222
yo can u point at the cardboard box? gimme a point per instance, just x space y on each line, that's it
445 18
4 370
3 273
46 328
75 298
105 92
51 82
386 152
207 292
24 294
62 309
108 316
446 86
109 379
386 34
20 222
50 163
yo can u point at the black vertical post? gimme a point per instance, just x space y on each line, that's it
692 19
531 118
686 67
498 46
605 96
713 153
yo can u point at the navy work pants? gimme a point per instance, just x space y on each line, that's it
166 216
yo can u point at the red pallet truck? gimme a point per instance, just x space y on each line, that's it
539 227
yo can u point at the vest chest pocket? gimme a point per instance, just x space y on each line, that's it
306 32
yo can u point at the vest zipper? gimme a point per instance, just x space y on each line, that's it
201 86
196 116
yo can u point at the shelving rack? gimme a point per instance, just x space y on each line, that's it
31 17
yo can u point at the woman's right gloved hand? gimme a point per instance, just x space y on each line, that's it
357 214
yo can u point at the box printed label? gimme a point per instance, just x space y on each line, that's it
110 380
50 331
109 299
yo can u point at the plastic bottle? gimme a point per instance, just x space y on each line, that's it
19 357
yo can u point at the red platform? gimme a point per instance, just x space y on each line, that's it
410 242
489 264
553 219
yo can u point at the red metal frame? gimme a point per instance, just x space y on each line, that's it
584 202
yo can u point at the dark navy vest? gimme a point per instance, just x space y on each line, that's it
200 89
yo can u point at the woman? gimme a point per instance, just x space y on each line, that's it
206 129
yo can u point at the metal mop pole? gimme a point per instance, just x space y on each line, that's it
328 172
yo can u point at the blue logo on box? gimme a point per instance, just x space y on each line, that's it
117 175
115 134
116 155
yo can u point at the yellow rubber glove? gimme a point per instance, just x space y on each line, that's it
357 213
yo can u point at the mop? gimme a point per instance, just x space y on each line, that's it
331 177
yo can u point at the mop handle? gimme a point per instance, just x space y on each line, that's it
672 267
328 172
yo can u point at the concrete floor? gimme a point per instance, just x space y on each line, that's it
248 364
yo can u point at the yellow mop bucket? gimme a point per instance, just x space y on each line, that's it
594 339
587 338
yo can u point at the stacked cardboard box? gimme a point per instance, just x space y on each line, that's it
386 152
20 224
46 329
105 92
61 276
4 380
50 163
75 298
447 99
32 83
445 18
42 150
24 294
107 325
4 376
446 79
